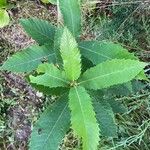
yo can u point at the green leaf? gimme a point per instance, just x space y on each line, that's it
118 90
104 113
51 127
138 86
49 1
70 55
53 1
83 118
101 95
106 74
116 106
100 51
142 76
50 91
3 3
57 41
86 64
57 91
123 90
71 13
40 30
105 117
28 59
53 77
45 1
4 18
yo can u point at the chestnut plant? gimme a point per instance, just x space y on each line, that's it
79 73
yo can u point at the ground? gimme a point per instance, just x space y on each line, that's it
20 104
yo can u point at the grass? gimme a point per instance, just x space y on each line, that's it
126 22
